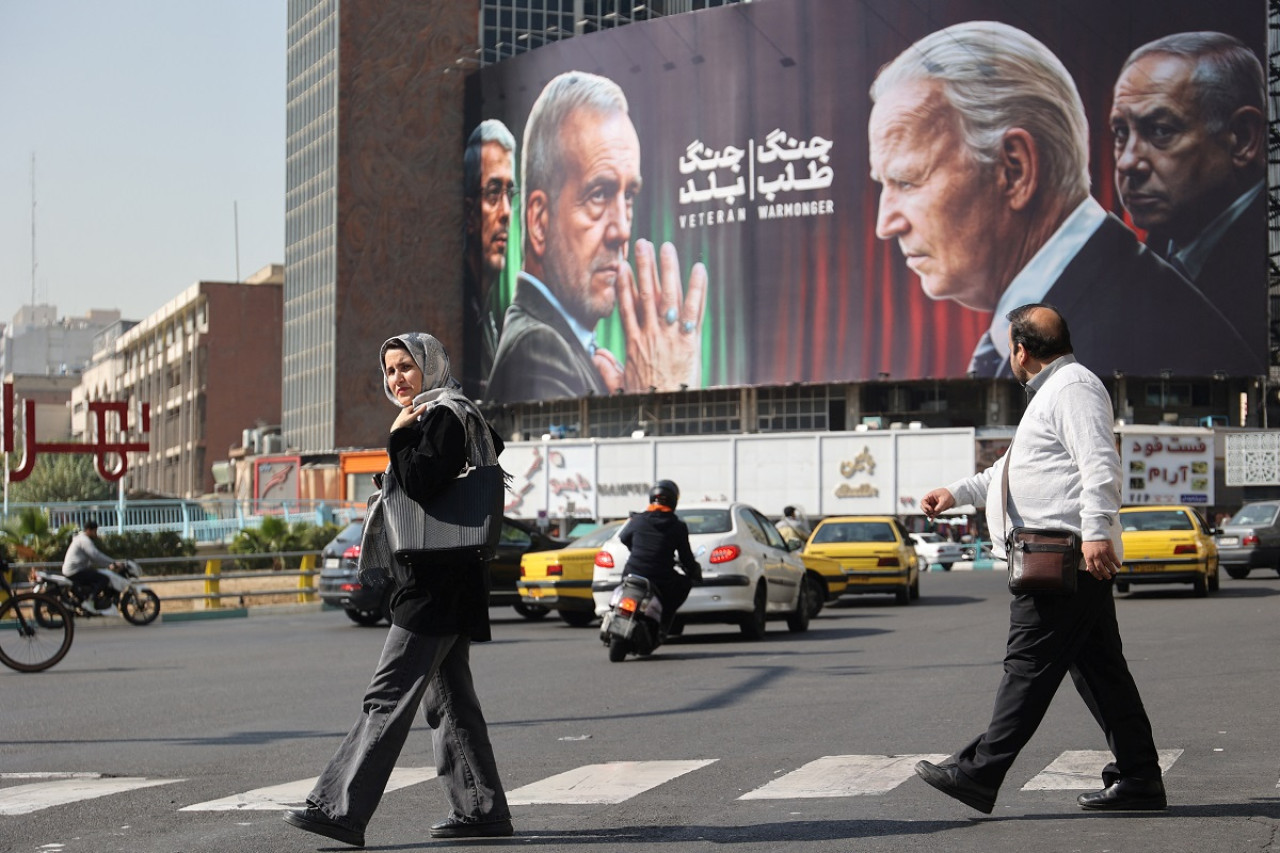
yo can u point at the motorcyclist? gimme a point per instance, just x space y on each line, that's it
655 537
81 564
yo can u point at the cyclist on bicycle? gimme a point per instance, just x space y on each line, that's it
81 564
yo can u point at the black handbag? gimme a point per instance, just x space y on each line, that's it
1041 561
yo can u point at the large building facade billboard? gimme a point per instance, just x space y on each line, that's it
829 191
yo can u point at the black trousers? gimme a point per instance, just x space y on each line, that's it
1049 637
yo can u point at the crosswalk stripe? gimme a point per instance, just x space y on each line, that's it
1081 769
290 794
842 776
603 783
25 799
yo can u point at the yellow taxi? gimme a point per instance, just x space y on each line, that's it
1167 544
561 579
874 552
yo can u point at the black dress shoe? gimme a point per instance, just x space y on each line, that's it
454 828
948 779
1133 795
313 820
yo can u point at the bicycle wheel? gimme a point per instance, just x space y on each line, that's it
24 645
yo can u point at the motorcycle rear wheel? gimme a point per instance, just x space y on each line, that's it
140 607
46 613
617 649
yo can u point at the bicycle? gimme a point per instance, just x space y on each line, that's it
35 630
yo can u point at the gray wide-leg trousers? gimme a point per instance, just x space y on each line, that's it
436 673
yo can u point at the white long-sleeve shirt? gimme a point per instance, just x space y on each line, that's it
1065 470
83 553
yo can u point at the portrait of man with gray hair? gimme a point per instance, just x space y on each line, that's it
979 141
1189 124
580 175
489 194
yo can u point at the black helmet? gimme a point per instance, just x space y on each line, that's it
665 492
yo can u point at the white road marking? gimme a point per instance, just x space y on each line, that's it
69 788
603 783
292 794
1081 769
842 776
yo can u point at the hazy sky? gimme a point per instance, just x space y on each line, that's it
151 122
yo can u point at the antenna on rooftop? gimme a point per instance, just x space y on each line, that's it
235 215
33 228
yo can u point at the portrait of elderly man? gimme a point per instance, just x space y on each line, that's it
489 193
1189 123
580 174
979 141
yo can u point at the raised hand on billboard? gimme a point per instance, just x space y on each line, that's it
662 319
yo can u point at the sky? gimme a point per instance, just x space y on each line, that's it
155 125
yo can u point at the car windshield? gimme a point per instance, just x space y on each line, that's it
1167 519
1259 514
853 531
706 520
929 537
597 537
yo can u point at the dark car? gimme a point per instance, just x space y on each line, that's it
340 585
1251 539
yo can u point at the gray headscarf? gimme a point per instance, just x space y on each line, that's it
426 352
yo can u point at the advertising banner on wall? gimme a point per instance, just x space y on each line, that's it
853 473
718 199
1172 466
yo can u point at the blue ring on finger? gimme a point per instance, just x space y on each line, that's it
688 326
670 316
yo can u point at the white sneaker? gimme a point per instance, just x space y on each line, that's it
110 611
87 607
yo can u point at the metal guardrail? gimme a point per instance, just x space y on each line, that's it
203 520
212 576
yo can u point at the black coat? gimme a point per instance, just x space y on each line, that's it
655 537
437 592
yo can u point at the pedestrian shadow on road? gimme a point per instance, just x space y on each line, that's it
791 832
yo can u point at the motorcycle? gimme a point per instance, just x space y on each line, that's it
137 603
633 623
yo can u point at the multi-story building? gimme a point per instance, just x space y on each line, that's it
38 342
208 365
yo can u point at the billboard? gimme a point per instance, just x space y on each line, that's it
747 213
1166 466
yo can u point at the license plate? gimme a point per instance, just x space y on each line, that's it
332 562
534 593
857 579
1147 567
1229 540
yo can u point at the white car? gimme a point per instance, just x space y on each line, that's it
749 574
932 548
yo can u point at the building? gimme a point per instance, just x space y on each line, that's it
38 342
208 365
373 231
373 238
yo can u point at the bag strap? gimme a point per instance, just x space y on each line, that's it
1004 485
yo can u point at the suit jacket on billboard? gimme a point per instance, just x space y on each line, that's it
539 357
1234 275
1129 311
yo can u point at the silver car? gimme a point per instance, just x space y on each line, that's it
1250 540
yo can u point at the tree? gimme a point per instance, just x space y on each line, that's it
61 477
32 538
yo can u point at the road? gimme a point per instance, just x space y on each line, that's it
162 739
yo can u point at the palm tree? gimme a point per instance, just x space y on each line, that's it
31 537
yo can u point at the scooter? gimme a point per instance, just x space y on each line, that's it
633 623
138 604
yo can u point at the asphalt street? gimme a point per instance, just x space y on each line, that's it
192 736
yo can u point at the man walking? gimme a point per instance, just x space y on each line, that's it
1064 473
